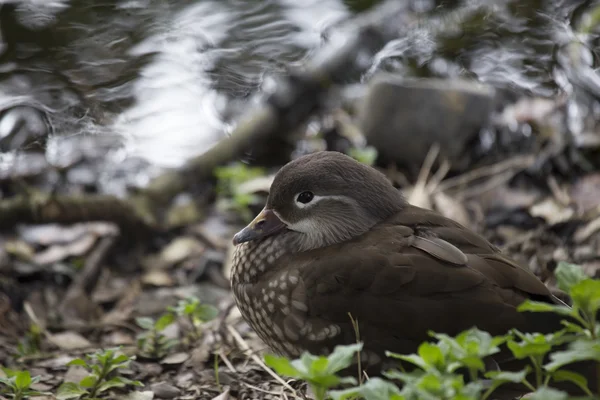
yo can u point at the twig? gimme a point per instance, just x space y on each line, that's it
84 282
244 346
418 195
513 165
226 361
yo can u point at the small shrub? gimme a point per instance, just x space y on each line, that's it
17 385
103 366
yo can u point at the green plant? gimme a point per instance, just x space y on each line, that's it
320 372
17 385
582 330
32 341
196 313
229 180
103 366
373 389
438 366
366 155
151 342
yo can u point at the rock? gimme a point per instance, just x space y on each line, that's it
402 118
163 390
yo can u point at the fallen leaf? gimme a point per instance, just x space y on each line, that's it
50 234
552 212
586 192
163 390
70 340
175 252
19 249
585 232
222 396
75 373
157 277
41 387
177 358
57 253
451 208
145 395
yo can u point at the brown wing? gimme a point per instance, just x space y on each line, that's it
419 272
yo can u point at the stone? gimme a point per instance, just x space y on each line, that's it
402 118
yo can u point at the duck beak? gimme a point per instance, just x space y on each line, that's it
266 223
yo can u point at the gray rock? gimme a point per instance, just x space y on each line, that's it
402 118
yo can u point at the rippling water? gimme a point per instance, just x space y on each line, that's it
163 81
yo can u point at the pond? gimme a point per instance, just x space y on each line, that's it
149 83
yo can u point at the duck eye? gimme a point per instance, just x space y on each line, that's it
305 197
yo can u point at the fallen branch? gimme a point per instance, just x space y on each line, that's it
42 209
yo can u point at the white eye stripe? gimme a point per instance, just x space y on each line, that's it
314 201
317 198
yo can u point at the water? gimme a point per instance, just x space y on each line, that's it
163 81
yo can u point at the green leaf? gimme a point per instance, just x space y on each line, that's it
22 380
304 363
319 366
189 308
538 306
573 328
78 362
586 295
578 351
121 359
8 382
474 362
342 357
573 377
545 393
534 344
282 366
327 381
431 383
70 390
145 322
373 389
9 372
411 358
165 320
117 382
568 275
431 354
499 378
89 381
207 312
506 376
366 155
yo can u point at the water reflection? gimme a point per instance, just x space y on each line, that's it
213 50
168 78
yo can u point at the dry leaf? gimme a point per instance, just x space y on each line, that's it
70 340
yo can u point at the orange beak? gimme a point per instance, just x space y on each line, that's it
266 223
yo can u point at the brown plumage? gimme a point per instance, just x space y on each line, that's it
336 237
